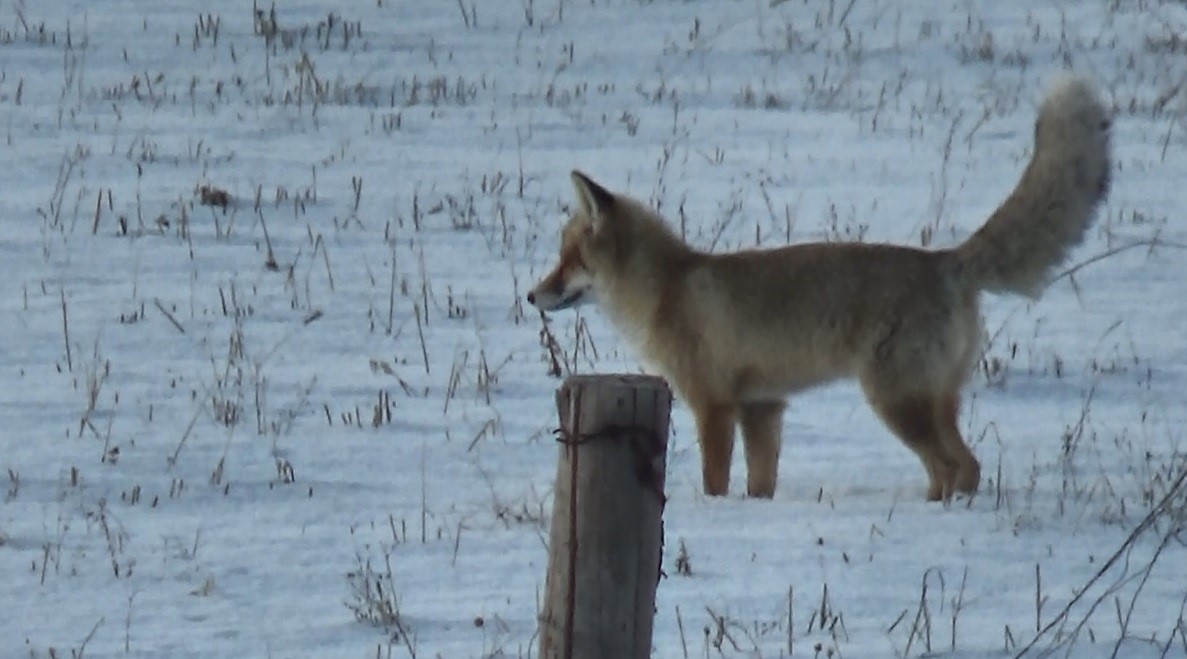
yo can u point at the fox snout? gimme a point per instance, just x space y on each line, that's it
532 300
568 285
552 294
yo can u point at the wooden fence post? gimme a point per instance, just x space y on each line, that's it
606 542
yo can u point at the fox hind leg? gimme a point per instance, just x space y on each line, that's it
913 420
762 423
715 432
968 470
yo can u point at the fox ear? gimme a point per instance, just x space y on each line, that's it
595 200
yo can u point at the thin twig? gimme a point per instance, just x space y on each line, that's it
82 649
161 307
1141 528
66 331
1151 243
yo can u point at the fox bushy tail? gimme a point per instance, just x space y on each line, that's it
1053 204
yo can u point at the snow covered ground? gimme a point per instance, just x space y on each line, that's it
221 427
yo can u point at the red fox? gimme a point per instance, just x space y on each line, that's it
737 333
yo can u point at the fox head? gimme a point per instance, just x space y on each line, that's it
585 241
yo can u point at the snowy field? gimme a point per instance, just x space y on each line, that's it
265 346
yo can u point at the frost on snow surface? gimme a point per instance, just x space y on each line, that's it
269 386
